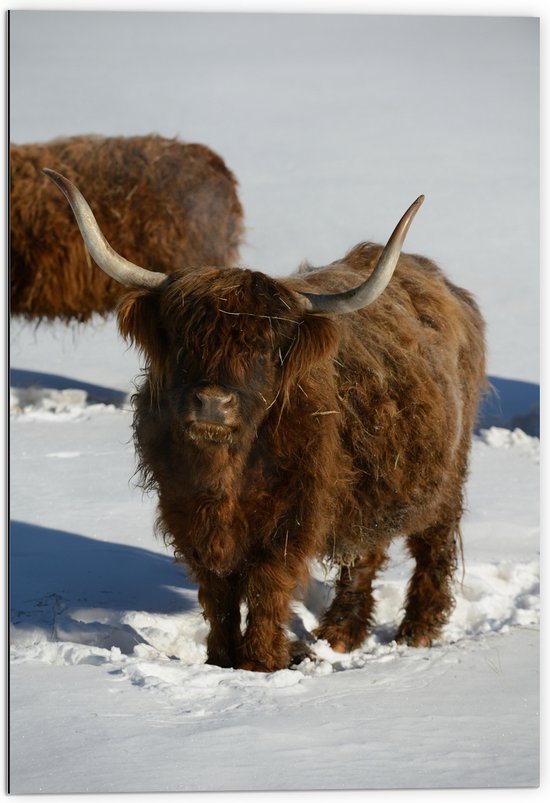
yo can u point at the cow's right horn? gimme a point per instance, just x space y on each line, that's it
101 252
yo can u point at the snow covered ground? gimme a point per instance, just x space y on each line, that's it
108 641
333 125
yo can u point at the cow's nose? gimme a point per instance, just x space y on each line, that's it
214 405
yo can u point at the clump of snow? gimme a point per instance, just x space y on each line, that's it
501 438
494 597
48 404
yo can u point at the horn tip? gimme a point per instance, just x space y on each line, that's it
57 178
66 187
304 299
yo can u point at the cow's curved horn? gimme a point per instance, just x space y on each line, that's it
101 252
366 293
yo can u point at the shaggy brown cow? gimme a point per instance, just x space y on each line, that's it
284 419
168 202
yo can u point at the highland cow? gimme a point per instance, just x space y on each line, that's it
319 415
168 202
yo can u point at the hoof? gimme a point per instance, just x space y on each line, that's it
249 665
339 646
253 666
218 660
335 639
419 641
299 651
414 639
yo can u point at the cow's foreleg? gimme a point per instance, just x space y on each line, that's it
346 623
220 600
429 598
269 590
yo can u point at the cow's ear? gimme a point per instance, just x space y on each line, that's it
317 338
139 322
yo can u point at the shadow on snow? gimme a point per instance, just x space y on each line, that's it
69 587
511 403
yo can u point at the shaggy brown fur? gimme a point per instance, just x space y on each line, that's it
160 202
323 435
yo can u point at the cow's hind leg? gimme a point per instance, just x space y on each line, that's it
429 596
346 623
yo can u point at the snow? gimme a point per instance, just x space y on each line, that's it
109 692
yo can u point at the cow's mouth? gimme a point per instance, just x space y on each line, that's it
205 432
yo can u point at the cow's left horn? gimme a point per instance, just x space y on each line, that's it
366 293
101 252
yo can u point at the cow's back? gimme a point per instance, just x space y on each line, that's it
409 373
